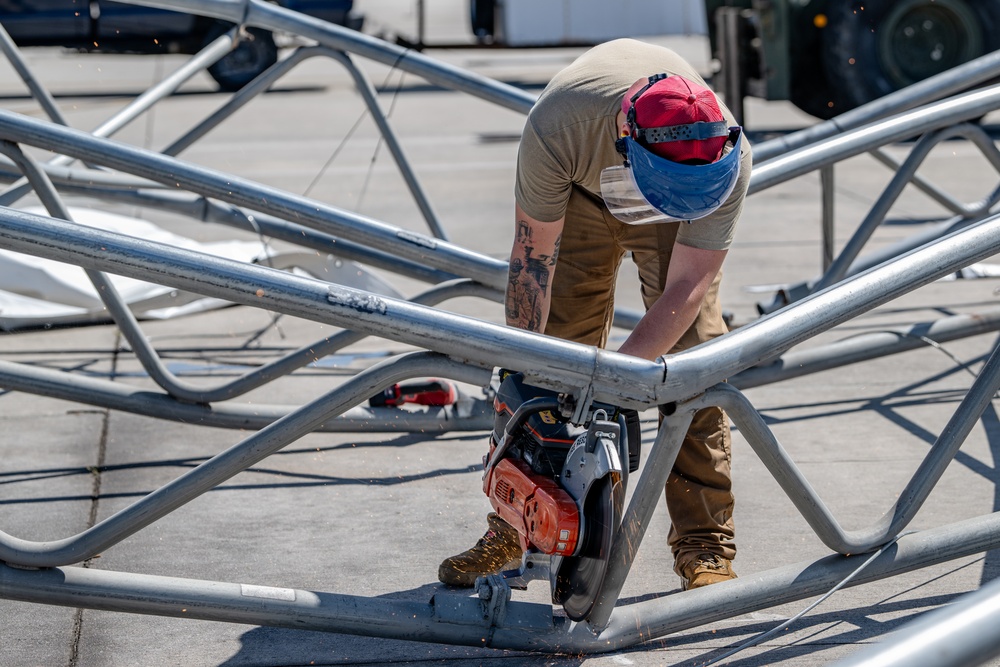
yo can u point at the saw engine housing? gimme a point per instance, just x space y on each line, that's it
528 486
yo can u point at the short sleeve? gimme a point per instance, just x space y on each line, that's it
542 185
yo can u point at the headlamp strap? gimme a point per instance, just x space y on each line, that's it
620 144
657 135
688 132
630 116
733 134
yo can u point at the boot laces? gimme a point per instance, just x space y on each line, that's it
486 539
710 561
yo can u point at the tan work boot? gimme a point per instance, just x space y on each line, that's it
492 554
706 569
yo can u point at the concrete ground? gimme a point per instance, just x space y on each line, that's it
373 514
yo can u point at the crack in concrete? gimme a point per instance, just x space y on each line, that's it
102 445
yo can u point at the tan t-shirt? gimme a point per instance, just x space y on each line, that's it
569 137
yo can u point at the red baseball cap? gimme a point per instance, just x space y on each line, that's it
679 101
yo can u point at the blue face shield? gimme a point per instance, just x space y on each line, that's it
649 189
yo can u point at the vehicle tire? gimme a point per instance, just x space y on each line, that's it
254 54
874 47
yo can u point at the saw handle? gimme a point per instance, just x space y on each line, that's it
515 422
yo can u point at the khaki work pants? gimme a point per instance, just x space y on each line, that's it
699 488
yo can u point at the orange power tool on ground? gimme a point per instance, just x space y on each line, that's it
560 485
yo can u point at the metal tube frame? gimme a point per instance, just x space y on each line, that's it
954 81
470 346
146 164
144 351
468 350
903 176
261 14
123 316
367 232
823 155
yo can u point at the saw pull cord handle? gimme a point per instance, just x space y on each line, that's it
515 422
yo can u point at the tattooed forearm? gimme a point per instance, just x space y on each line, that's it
529 277
524 307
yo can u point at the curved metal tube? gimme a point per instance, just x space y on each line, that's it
127 398
251 380
808 502
529 626
713 362
245 193
863 139
307 354
272 17
838 269
224 465
615 378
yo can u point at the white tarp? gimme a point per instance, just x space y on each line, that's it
36 292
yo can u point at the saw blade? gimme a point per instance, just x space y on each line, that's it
579 578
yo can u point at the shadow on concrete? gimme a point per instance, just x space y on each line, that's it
289 479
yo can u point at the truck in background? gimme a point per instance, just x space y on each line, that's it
830 56
825 56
